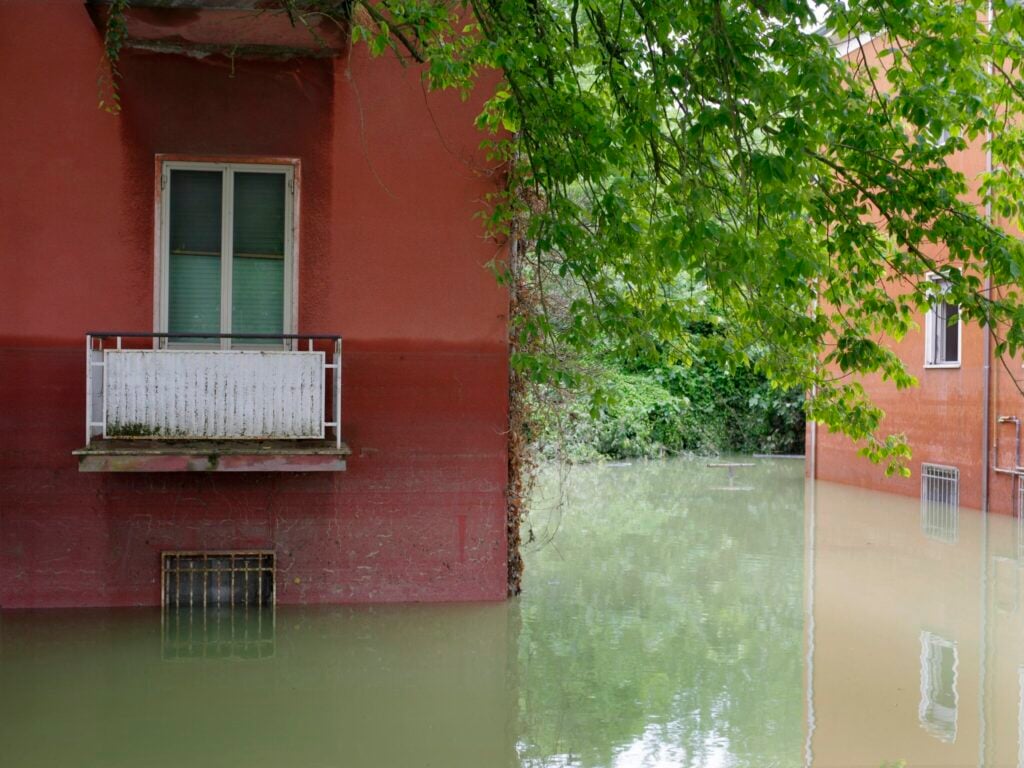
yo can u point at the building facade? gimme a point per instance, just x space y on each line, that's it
963 421
275 206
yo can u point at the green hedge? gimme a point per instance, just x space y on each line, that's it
664 411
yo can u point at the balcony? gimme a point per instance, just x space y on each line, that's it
236 28
166 402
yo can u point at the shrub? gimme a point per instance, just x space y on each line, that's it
663 411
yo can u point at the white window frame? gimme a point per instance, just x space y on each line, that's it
162 242
930 320
855 42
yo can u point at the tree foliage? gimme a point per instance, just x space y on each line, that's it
727 145
665 410
727 141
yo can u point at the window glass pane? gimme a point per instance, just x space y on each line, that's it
195 242
259 214
257 270
952 347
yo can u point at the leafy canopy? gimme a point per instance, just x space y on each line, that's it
660 144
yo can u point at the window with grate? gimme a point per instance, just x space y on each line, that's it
213 579
940 502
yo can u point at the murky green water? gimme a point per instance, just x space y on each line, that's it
672 617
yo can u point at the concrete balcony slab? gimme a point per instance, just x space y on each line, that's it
148 455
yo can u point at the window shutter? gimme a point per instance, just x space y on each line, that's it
195 246
257 270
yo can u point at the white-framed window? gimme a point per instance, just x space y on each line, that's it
942 331
225 250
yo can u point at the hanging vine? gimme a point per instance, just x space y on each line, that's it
114 36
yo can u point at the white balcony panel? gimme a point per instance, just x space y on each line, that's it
215 394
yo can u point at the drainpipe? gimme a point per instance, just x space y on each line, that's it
986 370
813 447
985 407
985 463
810 542
987 367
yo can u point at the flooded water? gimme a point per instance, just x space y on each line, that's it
673 616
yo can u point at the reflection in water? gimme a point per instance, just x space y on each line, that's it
662 622
937 710
355 687
1020 518
1020 717
917 634
223 632
667 621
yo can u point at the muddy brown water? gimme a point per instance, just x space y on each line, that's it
672 616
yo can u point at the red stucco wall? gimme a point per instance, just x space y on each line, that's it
390 256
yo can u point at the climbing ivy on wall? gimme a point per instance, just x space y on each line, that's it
113 40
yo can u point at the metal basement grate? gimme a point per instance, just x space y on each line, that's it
940 502
212 579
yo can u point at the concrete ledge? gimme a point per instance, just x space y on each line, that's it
145 455
247 29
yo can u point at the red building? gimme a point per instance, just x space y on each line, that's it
261 196
963 422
